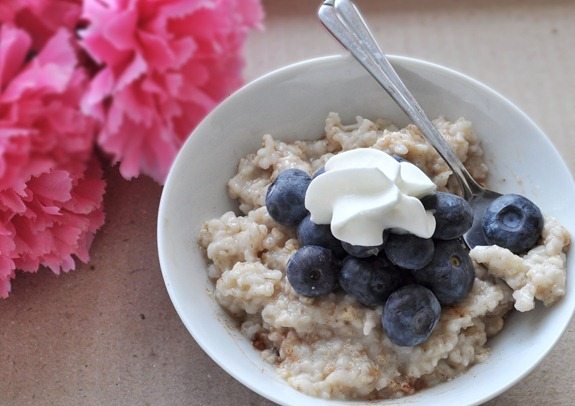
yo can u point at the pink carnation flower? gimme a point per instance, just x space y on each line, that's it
51 188
165 65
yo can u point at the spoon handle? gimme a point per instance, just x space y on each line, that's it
345 23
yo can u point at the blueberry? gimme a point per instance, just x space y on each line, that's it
399 158
285 197
309 233
370 281
513 222
410 315
450 274
312 271
409 251
360 251
453 214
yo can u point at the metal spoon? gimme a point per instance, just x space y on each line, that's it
345 23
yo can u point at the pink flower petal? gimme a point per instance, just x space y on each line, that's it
52 68
14 153
14 44
55 185
100 87
10 201
120 30
135 69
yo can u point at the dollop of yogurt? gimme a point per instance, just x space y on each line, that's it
364 191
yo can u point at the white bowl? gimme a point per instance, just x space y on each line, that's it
292 103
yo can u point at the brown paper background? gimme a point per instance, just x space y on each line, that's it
107 333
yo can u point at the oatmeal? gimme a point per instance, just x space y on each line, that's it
540 274
333 346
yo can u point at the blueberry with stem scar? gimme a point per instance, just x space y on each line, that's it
410 315
312 271
450 274
514 222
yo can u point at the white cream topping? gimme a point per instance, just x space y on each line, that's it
365 191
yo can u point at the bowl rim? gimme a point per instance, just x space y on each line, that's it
270 77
